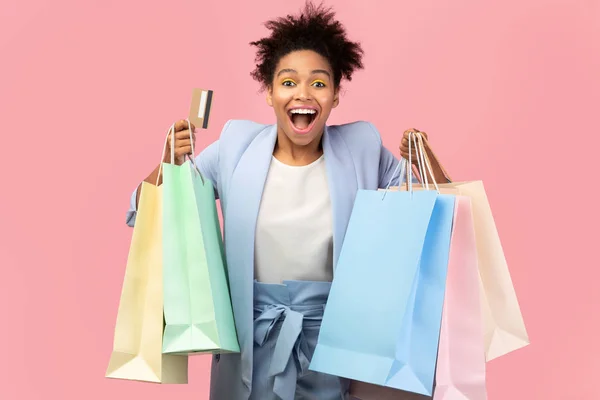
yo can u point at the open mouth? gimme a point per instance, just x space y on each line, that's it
302 119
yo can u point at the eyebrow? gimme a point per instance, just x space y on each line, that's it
313 72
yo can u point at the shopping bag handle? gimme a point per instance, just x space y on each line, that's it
401 166
435 157
415 138
423 162
405 166
170 132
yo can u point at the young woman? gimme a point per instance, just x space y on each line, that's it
286 192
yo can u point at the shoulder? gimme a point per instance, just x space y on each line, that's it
362 143
358 133
240 132
236 136
361 138
235 139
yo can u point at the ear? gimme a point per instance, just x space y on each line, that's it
336 97
270 95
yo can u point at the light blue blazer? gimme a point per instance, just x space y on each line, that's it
237 164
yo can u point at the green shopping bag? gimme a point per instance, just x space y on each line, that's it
197 303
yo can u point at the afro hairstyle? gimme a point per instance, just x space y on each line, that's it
316 29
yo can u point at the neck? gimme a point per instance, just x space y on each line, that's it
290 153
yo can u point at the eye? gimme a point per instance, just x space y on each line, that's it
288 82
319 84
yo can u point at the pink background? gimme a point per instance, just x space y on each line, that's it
507 92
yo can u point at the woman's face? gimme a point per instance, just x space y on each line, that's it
302 94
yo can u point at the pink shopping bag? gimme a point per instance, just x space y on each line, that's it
460 371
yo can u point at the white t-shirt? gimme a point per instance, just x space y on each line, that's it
294 230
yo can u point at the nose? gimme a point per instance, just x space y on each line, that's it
303 93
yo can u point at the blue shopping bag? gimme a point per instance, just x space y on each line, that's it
383 317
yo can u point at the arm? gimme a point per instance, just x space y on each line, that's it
439 174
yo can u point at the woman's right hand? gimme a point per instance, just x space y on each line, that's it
183 144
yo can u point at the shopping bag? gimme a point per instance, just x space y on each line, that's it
137 351
460 372
197 302
383 316
368 391
504 326
382 320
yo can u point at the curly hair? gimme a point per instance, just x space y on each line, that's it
314 29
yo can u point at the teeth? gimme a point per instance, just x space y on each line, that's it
302 111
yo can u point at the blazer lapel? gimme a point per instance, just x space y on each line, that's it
343 184
243 203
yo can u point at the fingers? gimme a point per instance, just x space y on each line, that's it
405 149
409 156
410 152
409 131
183 125
181 143
182 137
182 151
405 145
185 134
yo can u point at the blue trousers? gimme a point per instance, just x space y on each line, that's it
287 319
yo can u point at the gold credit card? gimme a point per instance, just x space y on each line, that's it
200 107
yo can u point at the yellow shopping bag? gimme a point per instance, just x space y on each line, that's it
137 352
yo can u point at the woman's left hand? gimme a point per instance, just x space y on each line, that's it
404 145
439 174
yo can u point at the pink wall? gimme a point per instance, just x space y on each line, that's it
507 93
